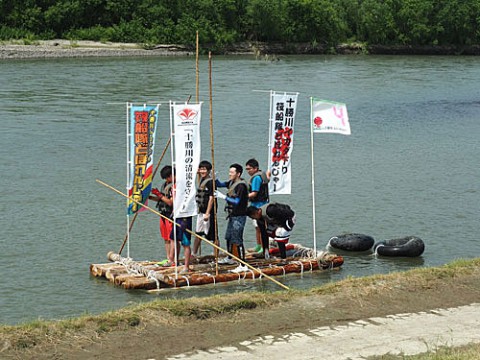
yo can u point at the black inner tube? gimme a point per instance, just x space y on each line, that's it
410 246
352 242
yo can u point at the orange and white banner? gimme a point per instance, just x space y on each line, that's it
187 148
142 125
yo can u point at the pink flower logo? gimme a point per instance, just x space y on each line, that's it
318 121
187 114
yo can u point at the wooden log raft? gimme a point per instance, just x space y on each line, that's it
148 275
99 270
207 278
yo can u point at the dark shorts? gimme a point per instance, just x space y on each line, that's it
180 232
234 232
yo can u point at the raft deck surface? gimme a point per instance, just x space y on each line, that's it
149 275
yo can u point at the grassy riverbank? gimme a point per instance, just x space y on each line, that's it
420 289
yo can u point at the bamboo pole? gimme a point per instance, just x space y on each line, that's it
194 234
136 214
215 223
197 89
197 72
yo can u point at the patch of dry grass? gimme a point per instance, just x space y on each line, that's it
414 279
469 352
40 332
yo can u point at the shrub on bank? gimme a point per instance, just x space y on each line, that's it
225 22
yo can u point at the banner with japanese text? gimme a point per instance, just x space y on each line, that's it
142 126
282 117
329 117
187 148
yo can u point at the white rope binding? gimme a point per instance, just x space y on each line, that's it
276 266
188 282
311 265
301 266
328 244
376 249
151 276
213 276
127 264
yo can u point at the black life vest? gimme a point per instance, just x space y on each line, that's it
241 208
202 196
280 215
162 207
262 194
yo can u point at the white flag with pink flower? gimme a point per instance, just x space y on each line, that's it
329 117
186 155
325 117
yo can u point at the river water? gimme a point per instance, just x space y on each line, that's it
410 167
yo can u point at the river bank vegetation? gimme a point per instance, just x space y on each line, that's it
223 23
417 290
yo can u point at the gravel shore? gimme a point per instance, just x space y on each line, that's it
79 49
267 51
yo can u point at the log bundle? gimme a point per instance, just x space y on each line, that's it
150 275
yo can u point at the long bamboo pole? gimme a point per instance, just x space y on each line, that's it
215 223
197 89
194 234
136 214
197 72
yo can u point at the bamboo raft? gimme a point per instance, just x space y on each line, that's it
148 275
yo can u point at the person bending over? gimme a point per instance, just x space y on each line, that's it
275 222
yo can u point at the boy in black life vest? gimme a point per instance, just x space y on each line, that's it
205 202
276 222
236 206
164 198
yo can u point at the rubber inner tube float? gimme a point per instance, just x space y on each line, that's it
351 242
410 246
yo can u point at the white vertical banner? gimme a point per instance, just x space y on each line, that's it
283 108
329 117
187 148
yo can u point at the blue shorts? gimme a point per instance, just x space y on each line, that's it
234 232
182 235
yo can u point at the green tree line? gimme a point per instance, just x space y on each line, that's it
224 22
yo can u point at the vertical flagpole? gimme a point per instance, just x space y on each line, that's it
172 151
215 224
270 125
313 178
197 89
128 175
